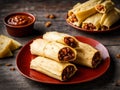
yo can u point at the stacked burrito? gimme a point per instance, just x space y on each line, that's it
94 15
53 58
58 53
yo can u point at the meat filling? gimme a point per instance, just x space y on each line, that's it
96 59
100 8
70 42
66 74
72 18
89 26
66 54
104 28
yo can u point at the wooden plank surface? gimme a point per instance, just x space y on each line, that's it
13 80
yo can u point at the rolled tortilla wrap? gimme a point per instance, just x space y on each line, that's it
92 22
109 18
53 50
105 7
37 47
87 56
61 38
84 6
57 70
77 15
75 8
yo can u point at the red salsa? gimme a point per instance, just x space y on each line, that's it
18 20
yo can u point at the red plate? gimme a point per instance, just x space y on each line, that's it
83 74
113 27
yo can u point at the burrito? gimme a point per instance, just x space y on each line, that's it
79 13
109 18
53 50
57 70
105 7
61 38
87 56
92 22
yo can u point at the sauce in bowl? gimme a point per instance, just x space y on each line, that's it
19 24
18 20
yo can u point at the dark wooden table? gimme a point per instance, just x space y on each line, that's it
13 80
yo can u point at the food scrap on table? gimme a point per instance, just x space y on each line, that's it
12 69
8 64
117 83
51 16
48 24
118 56
7 46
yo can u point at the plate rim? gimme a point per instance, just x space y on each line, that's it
61 83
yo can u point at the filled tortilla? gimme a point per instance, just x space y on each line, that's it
108 19
105 7
82 11
53 50
61 38
92 22
87 56
57 70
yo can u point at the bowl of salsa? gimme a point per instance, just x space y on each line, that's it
19 24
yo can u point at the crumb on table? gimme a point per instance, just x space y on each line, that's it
8 64
118 55
12 69
48 24
51 16
117 83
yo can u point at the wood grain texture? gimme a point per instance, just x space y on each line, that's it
13 80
